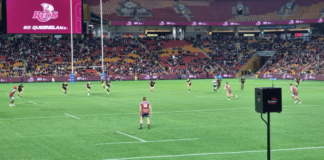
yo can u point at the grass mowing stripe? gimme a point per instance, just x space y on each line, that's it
216 153
131 136
170 140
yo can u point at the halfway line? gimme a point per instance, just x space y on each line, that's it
217 153
170 140
131 136
72 116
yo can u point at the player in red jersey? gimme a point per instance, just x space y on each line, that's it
11 95
144 112
295 93
229 91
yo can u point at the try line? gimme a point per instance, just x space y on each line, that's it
218 153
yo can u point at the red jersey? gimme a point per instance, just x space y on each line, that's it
12 92
294 89
145 107
228 87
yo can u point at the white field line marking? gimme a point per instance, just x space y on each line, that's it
33 117
7 94
217 153
72 116
131 136
170 140
32 102
185 111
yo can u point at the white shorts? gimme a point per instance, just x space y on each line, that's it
12 97
152 87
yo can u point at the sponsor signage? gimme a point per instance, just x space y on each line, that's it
273 79
97 20
288 76
273 101
298 34
72 78
278 27
284 24
248 35
39 16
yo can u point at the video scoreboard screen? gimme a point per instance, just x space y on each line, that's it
44 16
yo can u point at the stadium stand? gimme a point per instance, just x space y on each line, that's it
297 57
127 56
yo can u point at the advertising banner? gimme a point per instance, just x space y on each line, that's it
39 16
222 76
290 23
72 78
8 80
97 78
288 76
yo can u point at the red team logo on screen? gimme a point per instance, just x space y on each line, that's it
47 14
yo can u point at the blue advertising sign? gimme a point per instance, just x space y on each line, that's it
72 77
273 79
219 76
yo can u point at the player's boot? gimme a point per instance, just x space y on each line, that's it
300 102
10 105
296 101
148 127
235 96
140 127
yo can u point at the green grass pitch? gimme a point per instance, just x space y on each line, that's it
201 124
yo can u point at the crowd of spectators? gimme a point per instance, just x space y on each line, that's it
47 56
297 56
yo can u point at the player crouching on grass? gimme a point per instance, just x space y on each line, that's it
152 85
295 93
11 95
229 91
144 112
21 89
88 87
64 87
